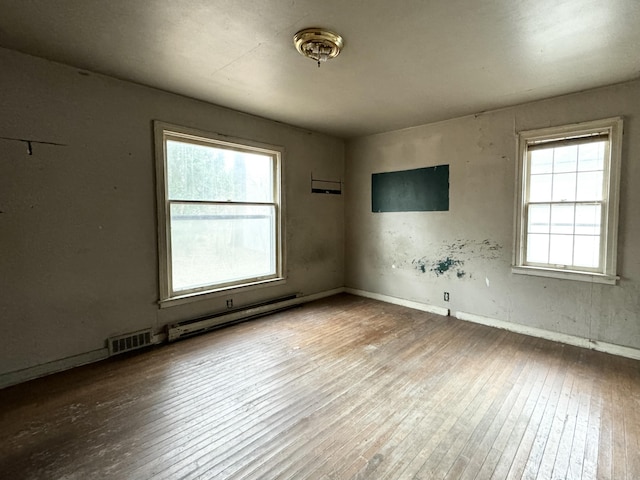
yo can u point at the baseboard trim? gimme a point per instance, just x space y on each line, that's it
605 347
179 331
399 301
567 339
318 296
30 373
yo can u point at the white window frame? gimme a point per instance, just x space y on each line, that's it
609 232
164 131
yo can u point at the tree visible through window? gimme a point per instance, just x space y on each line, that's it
567 212
221 214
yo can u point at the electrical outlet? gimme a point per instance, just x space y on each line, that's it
446 296
230 303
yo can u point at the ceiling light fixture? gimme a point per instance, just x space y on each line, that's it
318 44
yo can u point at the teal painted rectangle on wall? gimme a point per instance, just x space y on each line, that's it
418 190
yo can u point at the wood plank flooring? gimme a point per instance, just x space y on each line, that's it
343 388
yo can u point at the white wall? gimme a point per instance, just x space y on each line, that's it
78 247
384 250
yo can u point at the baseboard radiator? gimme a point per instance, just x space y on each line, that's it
129 341
196 326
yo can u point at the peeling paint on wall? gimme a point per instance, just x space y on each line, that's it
485 249
443 266
420 265
439 267
449 257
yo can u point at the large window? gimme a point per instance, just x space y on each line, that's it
219 213
567 204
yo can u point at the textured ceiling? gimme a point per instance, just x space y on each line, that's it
404 63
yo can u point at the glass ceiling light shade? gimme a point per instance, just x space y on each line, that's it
318 44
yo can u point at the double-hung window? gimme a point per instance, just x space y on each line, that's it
219 210
567 203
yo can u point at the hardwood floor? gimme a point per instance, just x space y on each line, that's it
341 388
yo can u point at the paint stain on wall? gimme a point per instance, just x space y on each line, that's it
443 266
439 267
484 249
450 257
420 265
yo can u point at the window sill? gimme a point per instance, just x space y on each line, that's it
566 275
209 294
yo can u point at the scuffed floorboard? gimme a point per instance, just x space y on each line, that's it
342 388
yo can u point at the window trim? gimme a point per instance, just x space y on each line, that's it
162 130
611 197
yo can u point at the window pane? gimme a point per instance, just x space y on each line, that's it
565 159
538 219
540 188
588 219
591 156
201 172
587 251
537 248
214 244
568 192
561 250
589 186
541 161
564 187
562 219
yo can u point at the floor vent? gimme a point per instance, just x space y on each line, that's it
128 342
